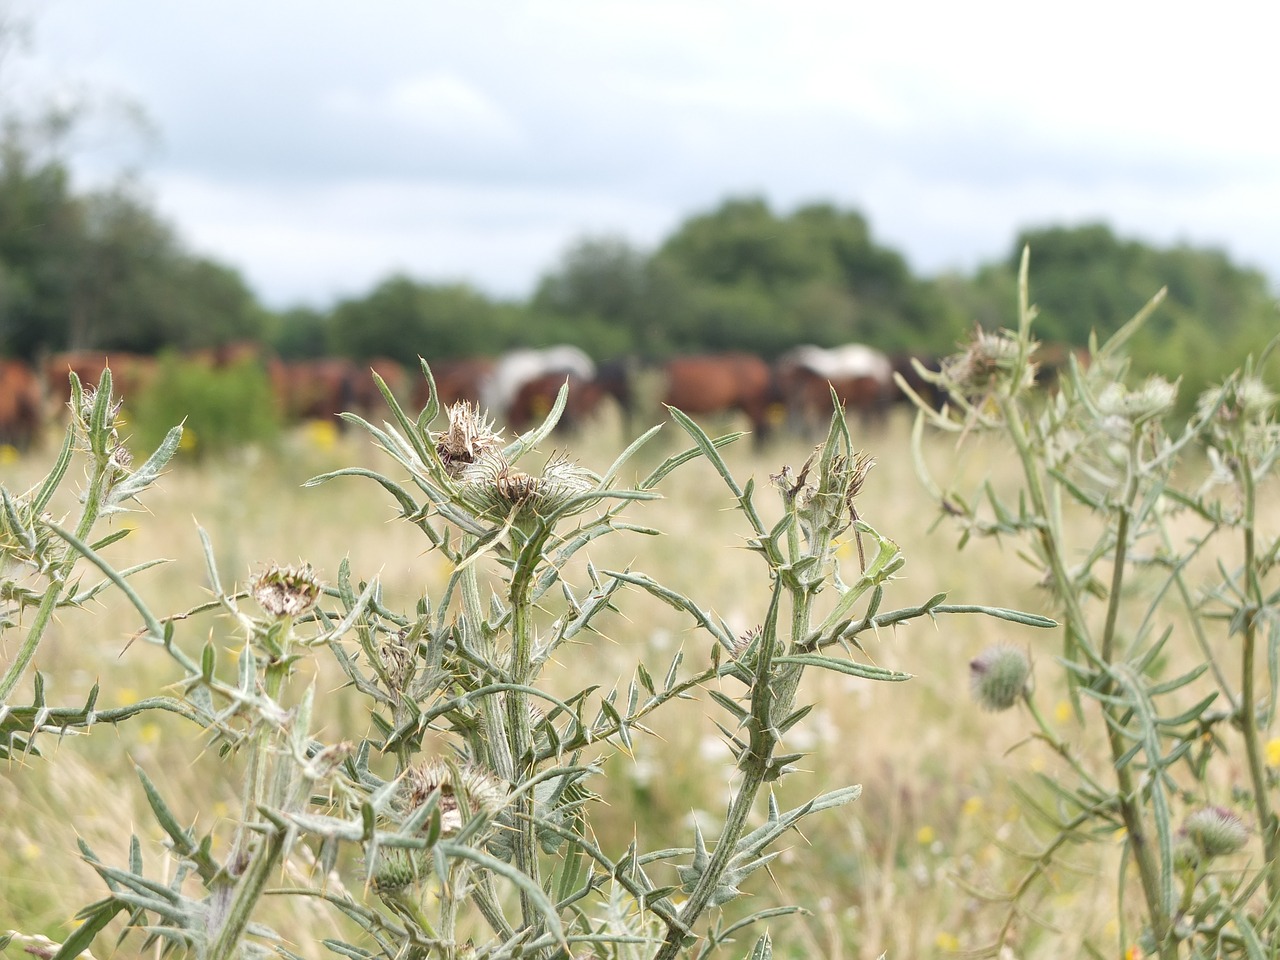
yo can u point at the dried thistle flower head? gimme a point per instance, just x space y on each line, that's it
999 677
989 359
1215 831
1153 399
854 474
468 437
398 656
88 400
121 459
458 787
825 503
286 591
493 487
744 643
1238 401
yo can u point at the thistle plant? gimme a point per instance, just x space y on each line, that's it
40 559
458 822
1170 659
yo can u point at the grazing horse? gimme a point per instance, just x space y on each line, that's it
21 405
862 378
313 389
722 383
904 366
516 368
617 379
130 372
535 398
1053 361
366 398
455 380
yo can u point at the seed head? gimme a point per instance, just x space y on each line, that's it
999 677
1151 400
1239 400
458 787
469 436
121 460
1215 831
88 400
986 361
398 658
493 487
286 591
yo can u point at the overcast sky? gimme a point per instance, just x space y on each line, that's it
318 146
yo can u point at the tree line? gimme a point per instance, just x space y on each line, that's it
101 269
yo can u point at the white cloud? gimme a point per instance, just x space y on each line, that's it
319 146
313 243
439 104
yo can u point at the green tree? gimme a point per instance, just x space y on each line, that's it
41 226
299 333
137 289
404 319
98 269
611 299
1086 277
816 275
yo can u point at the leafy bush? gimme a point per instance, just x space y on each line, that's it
222 408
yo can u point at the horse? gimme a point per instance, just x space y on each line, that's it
861 376
131 373
535 398
21 405
366 399
517 367
714 384
616 378
455 380
313 389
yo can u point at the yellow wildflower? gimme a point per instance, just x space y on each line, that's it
1273 752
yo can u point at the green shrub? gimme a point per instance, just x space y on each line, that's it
221 408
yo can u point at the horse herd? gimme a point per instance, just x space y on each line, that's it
792 392
517 388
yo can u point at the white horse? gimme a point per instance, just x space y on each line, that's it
862 377
518 367
847 362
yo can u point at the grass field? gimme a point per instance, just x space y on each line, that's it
913 869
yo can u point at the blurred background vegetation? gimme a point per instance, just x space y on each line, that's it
102 270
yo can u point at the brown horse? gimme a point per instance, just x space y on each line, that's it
21 404
904 366
861 377
313 389
455 380
724 383
366 398
131 373
535 398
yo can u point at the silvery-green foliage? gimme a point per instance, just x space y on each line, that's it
40 560
458 822
1106 480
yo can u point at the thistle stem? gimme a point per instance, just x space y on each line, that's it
1267 821
57 579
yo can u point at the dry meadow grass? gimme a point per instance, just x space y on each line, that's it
900 871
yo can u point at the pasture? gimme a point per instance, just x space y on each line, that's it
916 867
